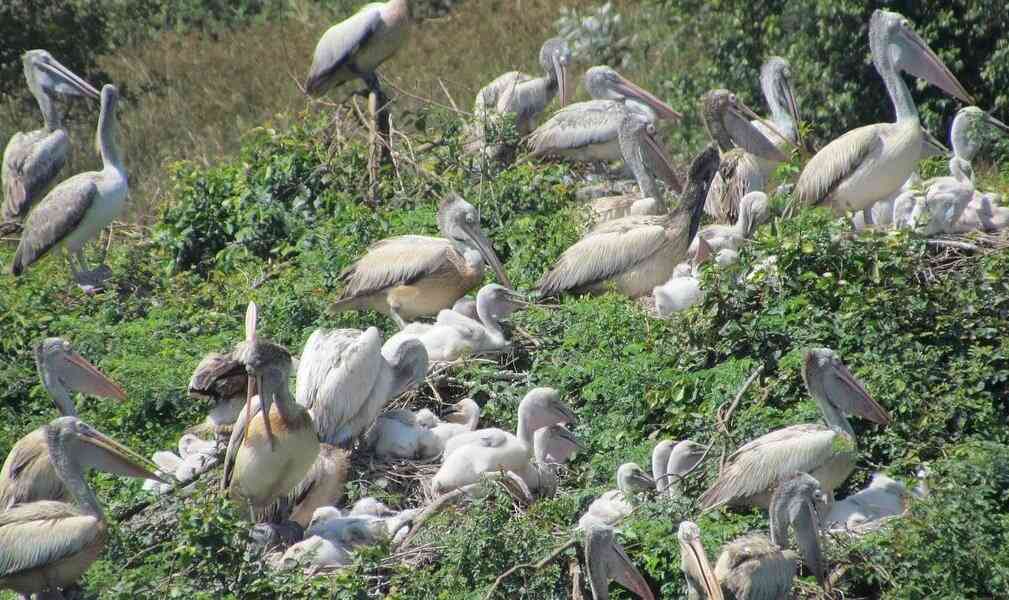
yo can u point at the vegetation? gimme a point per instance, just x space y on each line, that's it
923 328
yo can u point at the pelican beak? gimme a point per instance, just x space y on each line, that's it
265 403
748 137
517 299
89 380
644 480
923 63
628 575
67 82
565 413
793 108
105 454
665 170
861 403
996 123
697 561
808 539
487 251
936 148
631 90
561 71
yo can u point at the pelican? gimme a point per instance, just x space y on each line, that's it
940 211
271 449
633 254
552 446
643 154
868 164
524 96
828 452
612 506
683 289
28 474
454 336
540 407
754 211
397 434
606 559
752 172
883 497
464 419
466 306
411 276
46 544
32 160
324 485
345 378
78 208
588 131
221 379
670 462
355 47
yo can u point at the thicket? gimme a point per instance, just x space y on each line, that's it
277 223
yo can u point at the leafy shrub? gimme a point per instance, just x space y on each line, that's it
596 37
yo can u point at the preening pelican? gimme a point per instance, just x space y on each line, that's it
870 163
454 336
46 545
77 209
412 276
32 160
464 419
754 210
522 95
221 379
355 47
643 154
606 559
28 474
612 506
671 461
272 448
634 254
588 131
752 172
345 378
828 453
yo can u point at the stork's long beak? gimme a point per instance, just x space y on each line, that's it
101 452
89 380
483 245
697 562
923 63
561 70
859 401
73 84
631 90
665 166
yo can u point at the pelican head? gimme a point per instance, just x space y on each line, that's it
660 460
965 127
64 371
896 45
466 411
776 83
632 478
555 444
268 366
694 562
944 204
682 459
798 502
409 363
702 170
836 389
606 559
459 221
642 150
754 210
71 439
555 56
604 83
495 302
728 121
46 75
543 406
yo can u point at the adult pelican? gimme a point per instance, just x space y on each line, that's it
410 276
636 253
752 172
454 336
827 452
46 545
346 377
870 163
32 160
522 95
612 506
271 449
606 559
77 209
28 474
588 131
355 47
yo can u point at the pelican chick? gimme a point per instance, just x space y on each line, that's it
222 380
754 211
464 419
612 506
670 462
683 289
397 434
883 497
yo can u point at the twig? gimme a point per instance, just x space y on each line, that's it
953 244
432 509
422 99
723 420
536 566
455 107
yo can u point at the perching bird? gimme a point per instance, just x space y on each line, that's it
33 160
28 474
77 209
868 164
827 452
46 544
356 47
412 276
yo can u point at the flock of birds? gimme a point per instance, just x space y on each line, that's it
286 456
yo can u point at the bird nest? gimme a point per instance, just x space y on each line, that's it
955 252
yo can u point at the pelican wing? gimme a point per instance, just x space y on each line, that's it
30 164
758 465
494 95
59 213
576 126
394 261
23 455
336 375
610 249
340 43
235 442
738 174
468 327
41 533
836 162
